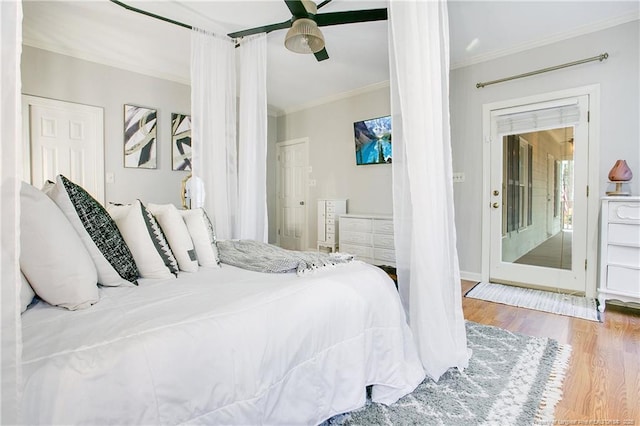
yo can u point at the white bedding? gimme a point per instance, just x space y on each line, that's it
221 346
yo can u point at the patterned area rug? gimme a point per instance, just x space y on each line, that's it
547 301
511 379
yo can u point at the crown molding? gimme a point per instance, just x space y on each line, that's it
336 97
587 29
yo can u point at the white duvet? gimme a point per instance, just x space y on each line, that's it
221 346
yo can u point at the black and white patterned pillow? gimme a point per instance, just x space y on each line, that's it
98 231
145 239
177 234
159 240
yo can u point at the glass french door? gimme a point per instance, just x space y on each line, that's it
538 219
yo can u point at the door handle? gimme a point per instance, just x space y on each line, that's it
495 205
302 203
496 192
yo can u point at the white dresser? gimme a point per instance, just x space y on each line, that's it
369 238
619 250
328 213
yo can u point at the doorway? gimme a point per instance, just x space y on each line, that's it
291 196
539 222
63 138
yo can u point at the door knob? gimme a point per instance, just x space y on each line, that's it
495 205
302 203
496 192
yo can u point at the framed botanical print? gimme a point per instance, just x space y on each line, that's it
140 130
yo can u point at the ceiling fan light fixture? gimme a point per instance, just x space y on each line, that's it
304 36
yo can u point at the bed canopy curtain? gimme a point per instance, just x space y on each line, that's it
10 171
252 129
213 113
234 179
425 235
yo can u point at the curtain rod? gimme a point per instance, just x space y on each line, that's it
153 15
600 58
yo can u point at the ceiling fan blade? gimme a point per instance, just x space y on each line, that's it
350 17
321 55
297 8
263 29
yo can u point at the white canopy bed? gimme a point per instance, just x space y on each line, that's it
220 346
226 345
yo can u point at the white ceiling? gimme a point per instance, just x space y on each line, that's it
103 32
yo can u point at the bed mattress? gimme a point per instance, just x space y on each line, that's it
220 346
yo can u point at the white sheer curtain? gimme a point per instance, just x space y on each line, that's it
10 173
252 128
425 237
213 133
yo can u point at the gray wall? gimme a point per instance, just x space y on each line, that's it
60 77
368 188
619 122
329 128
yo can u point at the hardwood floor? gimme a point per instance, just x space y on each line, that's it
602 385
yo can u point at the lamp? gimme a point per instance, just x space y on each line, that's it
619 174
304 36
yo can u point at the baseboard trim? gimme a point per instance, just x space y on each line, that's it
470 276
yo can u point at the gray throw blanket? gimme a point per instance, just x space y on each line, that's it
261 257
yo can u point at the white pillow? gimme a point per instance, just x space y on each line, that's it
203 236
26 293
145 239
98 232
52 257
177 234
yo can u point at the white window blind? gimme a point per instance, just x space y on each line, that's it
538 119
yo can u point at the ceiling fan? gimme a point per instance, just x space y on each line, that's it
304 36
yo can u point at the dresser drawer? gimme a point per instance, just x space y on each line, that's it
383 226
331 221
383 241
620 211
626 280
624 256
360 252
330 238
359 238
622 233
384 255
355 224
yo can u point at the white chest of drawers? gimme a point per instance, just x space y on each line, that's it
369 238
619 250
329 212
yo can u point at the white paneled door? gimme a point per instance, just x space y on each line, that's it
293 169
64 138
